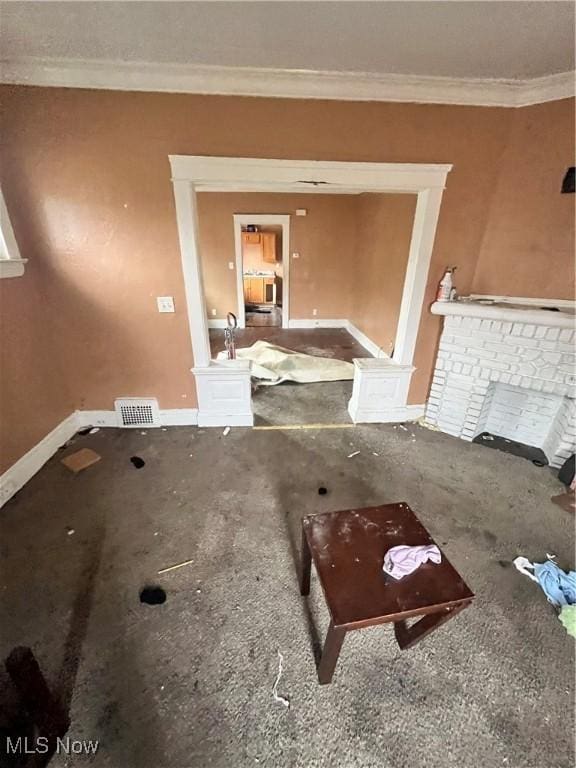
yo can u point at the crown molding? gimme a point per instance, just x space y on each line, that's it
281 83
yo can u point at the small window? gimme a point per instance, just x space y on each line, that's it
11 263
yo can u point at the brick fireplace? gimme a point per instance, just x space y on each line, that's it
507 370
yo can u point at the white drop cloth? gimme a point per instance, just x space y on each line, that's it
273 365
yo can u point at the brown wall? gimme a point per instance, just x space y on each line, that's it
384 227
87 181
35 391
528 246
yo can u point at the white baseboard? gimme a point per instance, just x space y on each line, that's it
26 467
217 323
97 419
361 338
179 417
389 416
317 322
170 417
215 420
369 345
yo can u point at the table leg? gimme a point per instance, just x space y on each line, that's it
330 653
407 637
305 565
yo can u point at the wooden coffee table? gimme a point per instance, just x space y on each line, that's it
348 550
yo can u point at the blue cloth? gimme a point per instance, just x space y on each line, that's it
559 587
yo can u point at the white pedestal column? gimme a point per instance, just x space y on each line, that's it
224 394
380 391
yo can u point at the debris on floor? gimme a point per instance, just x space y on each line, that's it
423 423
278 697
174 567
567 616
566 501
152 596
559 586
403 427
94 430
226 431
354 453
322 491
70 531
80 460
137 462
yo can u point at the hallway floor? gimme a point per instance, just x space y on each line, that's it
188 684
324 342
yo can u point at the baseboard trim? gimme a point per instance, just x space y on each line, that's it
97 419
317 322
368 344
390 415
26 467
179 417
218 420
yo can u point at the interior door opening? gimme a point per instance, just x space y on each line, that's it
262 275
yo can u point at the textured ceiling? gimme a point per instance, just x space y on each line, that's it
452 39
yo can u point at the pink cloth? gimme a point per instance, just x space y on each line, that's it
402 560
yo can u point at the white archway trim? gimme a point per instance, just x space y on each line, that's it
191 174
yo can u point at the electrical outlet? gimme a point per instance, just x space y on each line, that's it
213 313
314 312
295 255
301 211
230 265
165 303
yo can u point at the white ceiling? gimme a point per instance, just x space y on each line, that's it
449 39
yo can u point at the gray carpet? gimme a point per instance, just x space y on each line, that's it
189 683
289 403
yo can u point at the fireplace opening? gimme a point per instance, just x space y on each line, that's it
523 422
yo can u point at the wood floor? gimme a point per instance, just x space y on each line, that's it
271 318
323 342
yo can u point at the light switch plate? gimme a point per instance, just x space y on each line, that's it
165 303
295 255
230 265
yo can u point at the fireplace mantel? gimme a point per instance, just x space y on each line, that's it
514 313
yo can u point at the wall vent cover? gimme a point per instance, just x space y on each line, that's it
137 412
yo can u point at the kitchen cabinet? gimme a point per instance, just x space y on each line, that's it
269 247
259 290
266 241
251 238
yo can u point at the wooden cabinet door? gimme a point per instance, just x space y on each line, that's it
269 246
257 290
247 287
251 238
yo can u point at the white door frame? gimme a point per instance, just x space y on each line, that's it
263 219
220 403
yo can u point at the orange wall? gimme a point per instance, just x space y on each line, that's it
87 181
35 389
384 228
528 245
